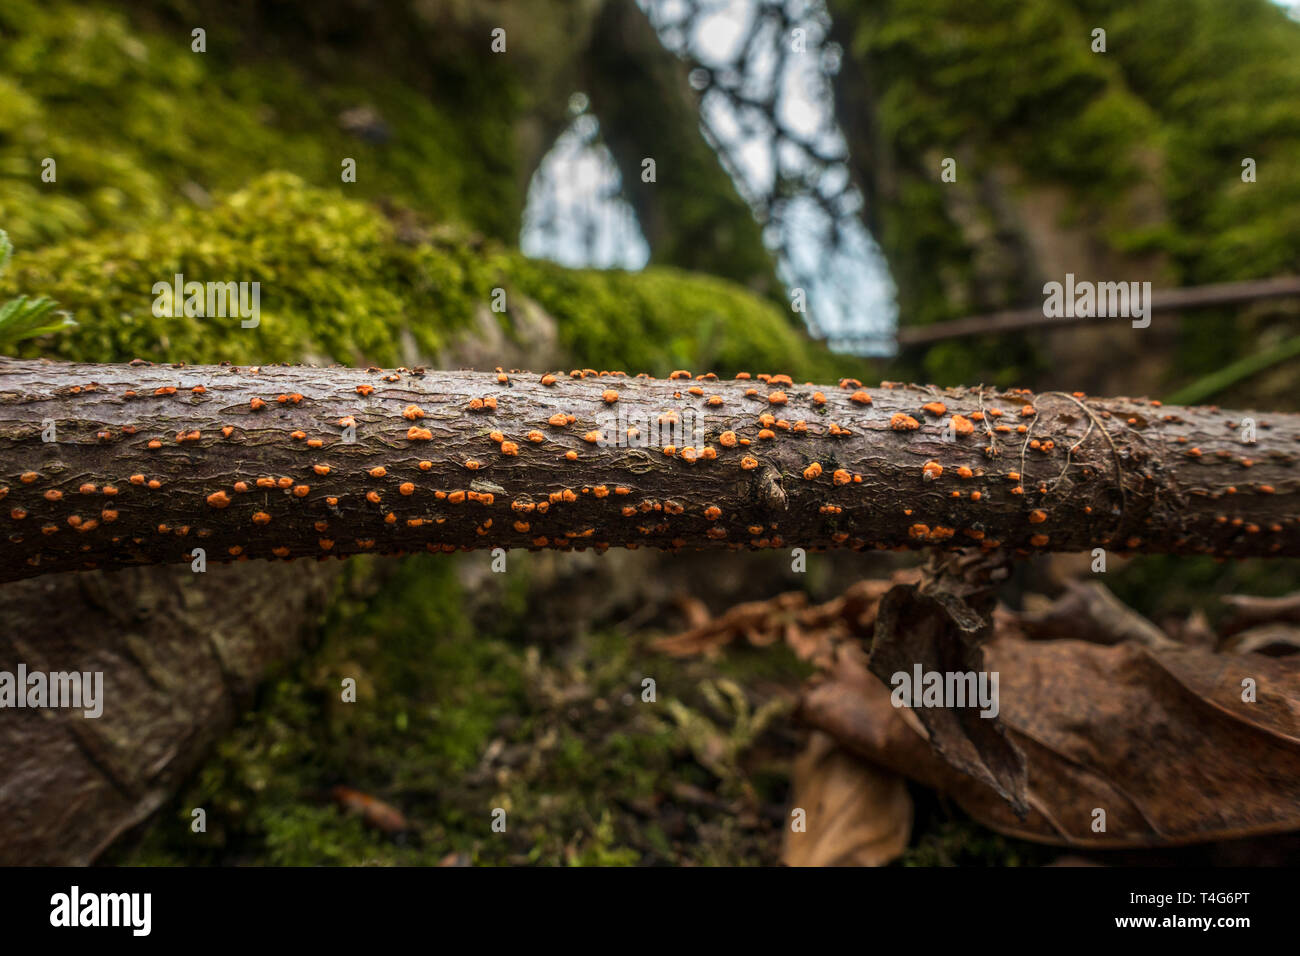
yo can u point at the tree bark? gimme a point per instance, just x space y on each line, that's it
181 655
143 464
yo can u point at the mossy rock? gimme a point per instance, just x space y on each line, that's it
340 281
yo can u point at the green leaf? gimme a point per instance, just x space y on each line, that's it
24 318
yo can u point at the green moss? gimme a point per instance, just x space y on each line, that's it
582 762
998 84
962 842
138 124
1224 77
1183 93
338 283
663 319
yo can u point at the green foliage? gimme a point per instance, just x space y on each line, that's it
961 842
1224 78
663 319
338 283
141 127
1003 84
575 745
23 318
1160 584
1158 123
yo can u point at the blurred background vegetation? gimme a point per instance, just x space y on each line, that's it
512 690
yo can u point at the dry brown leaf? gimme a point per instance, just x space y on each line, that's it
810 631
375 812
937 631
857 814
753 620
1161 740
693 609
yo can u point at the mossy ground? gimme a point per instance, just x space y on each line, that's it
342 281
141 126
453 721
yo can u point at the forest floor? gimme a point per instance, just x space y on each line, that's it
475 699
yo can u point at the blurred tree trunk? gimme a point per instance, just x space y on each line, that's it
1055 160
691 214
181 655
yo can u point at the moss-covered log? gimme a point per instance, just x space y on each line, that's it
112 465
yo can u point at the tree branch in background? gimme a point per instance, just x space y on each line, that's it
1168 300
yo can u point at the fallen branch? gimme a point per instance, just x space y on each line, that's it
113 465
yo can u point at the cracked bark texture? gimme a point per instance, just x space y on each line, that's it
181 655
150 462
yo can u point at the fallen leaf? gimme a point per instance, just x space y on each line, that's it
936 631
1160 740
856 814
810 631
376 813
